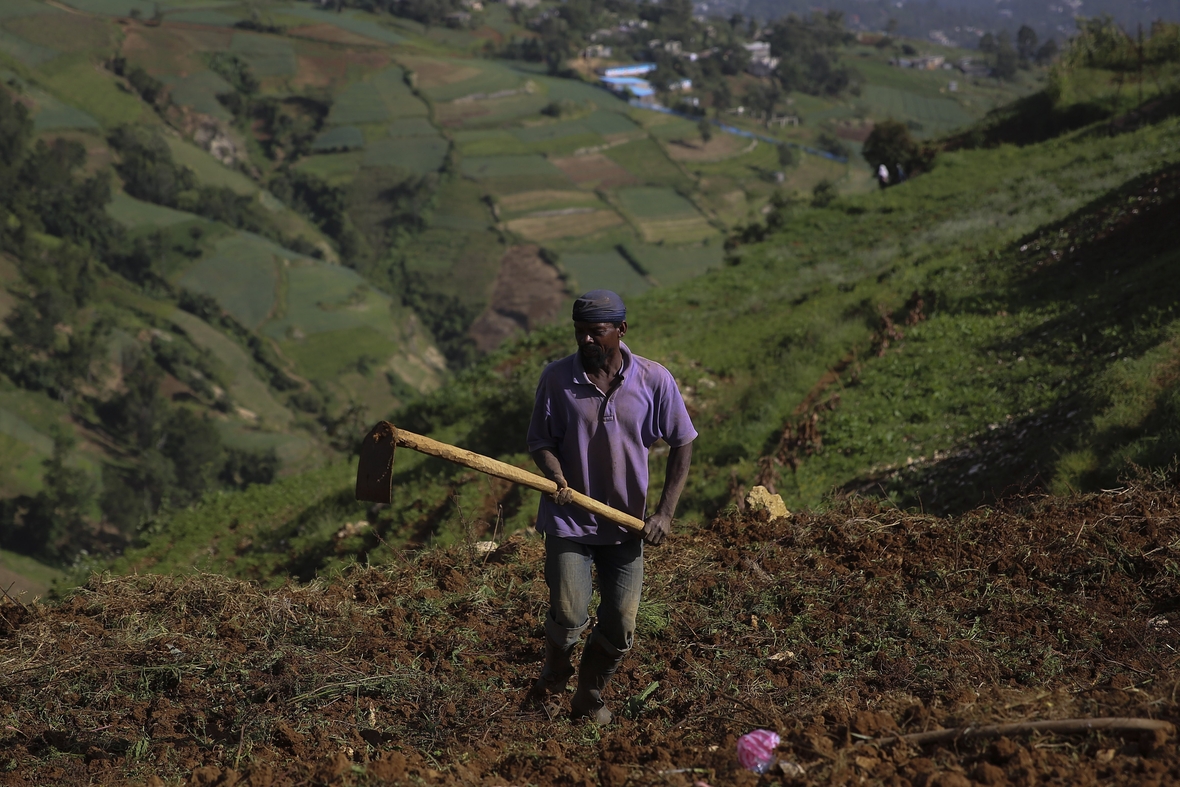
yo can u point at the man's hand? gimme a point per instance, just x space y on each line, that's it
658 527
564 495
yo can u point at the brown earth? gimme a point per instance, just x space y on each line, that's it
527 294
594 169
835 628
721 146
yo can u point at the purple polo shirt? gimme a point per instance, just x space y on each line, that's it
602 442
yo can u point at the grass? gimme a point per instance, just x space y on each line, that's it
136 214
604 270
55 115
933 115
339 138
78 81
25 51
459 78
335 168
420 155
116 7
268 56
484 167
646 161
322 298
490 113
209 171
380 99
200 91
674 265
15 9
655 203
242 274
33 579
412 127
322 356
358 24
246 388
203 17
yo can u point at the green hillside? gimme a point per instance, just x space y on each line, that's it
1007 321
270 225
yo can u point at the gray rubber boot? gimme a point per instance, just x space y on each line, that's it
555 674
594 672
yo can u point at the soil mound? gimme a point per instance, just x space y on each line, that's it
836 629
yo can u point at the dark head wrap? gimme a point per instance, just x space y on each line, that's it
599 306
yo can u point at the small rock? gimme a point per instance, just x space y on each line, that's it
760 499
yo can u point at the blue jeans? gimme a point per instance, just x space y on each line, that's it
620 583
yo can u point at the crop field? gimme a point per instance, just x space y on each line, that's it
116 7
268 56
52 115
936 115
209 170
582 93
203 17
241 274
672 265
529 201
508 166
86 86
334 168
461 206
296 452
486 113
68 32
603 270
594 170
722 146
135 214
655 203
245 387
14 9
321 298
609 124
339 138
382 98
564 223
367 27
412 127
24 50
647 162
413 154
323 356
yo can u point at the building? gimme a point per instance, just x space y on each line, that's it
640 88
761 63
632 70
597 50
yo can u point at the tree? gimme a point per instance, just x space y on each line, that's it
987 43
1047 52
823 194
1007 60
706 130
890 145
1026 42
786 155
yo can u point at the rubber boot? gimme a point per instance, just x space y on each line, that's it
594 672
555 674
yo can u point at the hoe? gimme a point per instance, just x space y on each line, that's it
374 474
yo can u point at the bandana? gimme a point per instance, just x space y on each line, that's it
599 306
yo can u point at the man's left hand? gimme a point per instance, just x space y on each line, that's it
658 527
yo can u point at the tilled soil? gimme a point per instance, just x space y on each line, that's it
834 628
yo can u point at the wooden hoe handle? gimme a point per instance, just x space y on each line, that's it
374 476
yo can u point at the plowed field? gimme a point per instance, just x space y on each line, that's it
835 629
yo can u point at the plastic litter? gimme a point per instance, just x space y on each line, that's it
755 750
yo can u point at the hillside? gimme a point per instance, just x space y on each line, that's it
939 342
834 629
302 220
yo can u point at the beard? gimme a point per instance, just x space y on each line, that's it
593 357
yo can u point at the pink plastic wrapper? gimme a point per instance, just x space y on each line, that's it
755 750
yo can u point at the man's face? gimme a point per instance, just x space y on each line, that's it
597 341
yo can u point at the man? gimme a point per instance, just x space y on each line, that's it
596 415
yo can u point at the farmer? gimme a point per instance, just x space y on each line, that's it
597 413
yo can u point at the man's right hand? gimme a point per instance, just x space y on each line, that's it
564 495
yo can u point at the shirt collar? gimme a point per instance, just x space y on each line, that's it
580 370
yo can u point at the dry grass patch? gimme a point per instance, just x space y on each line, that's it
594 169
565 225
720 147
532 200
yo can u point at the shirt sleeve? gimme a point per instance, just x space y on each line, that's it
543 431
673 421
